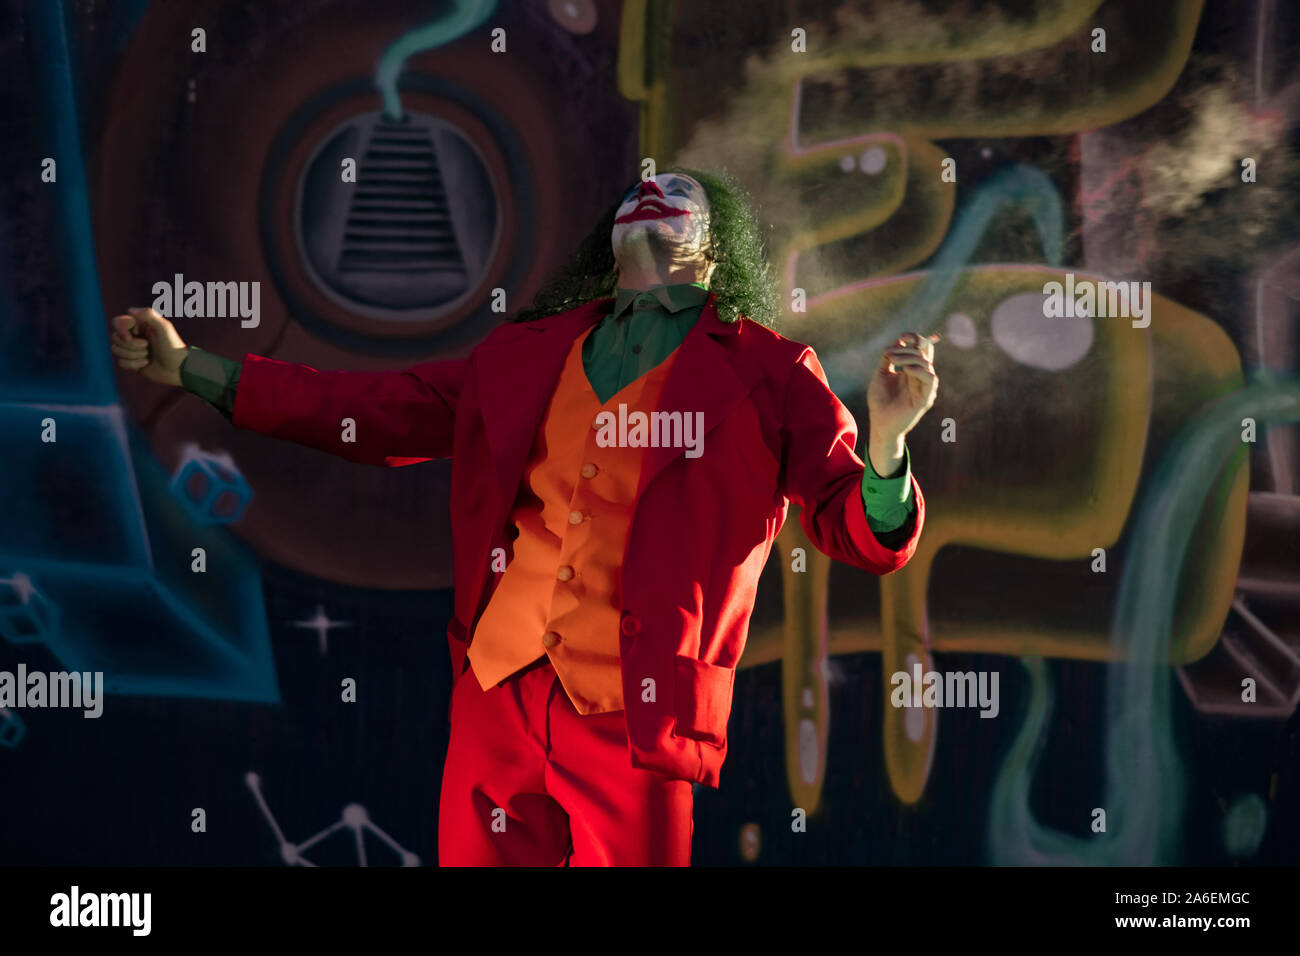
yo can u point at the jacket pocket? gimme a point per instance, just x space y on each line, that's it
703 700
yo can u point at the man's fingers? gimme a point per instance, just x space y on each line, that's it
900 351
123 325
147 320
891 358
914 364
916 373
921 381
916 341
923 374
129 350
914 354
132 364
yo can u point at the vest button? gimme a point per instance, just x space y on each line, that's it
589 471
631 625
575 517
565 573
550 639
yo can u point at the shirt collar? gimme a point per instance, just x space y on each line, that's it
673 298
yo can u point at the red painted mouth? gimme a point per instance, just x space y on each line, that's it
651 209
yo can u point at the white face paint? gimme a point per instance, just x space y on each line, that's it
665 220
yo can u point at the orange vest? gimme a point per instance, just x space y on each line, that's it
559 594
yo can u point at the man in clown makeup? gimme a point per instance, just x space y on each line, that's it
593 675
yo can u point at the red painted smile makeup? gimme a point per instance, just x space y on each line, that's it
672 207
651 209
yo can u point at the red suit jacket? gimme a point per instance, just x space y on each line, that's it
702 529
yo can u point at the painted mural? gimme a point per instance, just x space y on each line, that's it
1093 203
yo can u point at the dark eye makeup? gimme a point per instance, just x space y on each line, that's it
676 186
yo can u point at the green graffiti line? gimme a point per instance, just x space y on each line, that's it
1144 791
1019 186
1245 825
461 17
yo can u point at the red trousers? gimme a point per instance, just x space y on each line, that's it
531 782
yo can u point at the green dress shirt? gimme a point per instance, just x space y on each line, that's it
643 329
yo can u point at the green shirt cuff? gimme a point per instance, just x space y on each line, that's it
888 501
212 378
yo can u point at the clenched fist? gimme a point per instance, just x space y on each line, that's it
144 341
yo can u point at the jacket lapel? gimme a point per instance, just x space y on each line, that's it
518 374
516 378
704 378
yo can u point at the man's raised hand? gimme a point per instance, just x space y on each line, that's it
901 390
144 341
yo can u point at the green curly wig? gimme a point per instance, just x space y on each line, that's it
742 278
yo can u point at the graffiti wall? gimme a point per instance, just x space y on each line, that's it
1093 203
